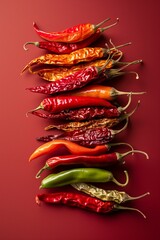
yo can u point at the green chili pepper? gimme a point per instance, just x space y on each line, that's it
78 175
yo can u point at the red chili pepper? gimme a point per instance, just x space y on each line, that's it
103 160
60 103
66 48
81 200
73 81
73 148
81 114
84 113
87 137
74 34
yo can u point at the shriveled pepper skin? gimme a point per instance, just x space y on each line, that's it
56 73
74 81
76 200
81 55
82 113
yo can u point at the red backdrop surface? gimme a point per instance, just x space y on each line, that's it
20 217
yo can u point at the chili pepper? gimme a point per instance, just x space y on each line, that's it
73 148
81 55
60 103
65 47
105 92
56 73
103 160
81 201
106 195
88 137
74 34
77 175
73 81
108 122
83 113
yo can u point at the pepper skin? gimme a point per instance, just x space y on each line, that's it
78 175
73 34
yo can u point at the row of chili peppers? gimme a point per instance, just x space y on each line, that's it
78 96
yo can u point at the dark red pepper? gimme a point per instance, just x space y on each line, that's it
81 200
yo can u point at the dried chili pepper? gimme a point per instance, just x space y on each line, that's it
77 175
81 201
56 73
73 148
60 103
65 47
88 137
75 125
106 195
74 34
103 160
81 55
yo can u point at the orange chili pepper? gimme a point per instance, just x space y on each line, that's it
74 34
105 92
81 55
73 148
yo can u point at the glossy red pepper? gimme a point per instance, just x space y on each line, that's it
61 103
74 34
103 160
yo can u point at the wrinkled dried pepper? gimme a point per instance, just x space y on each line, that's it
74 34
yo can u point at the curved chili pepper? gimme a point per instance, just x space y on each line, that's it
65 47
81 201
103 160
81 55
60 103
108 122
82 113
88 137
56 73
73 81
74 34
106 195
105 92
77 175
73 148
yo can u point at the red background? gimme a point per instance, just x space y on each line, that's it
20 217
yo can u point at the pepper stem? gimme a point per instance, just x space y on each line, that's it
122 184
33 110
101 23
41 170
120 130
118 207
137 197
134 151
119 93
105 28
121 143
34 43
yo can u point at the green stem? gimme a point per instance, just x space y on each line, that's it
118 207
122 184
34 43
